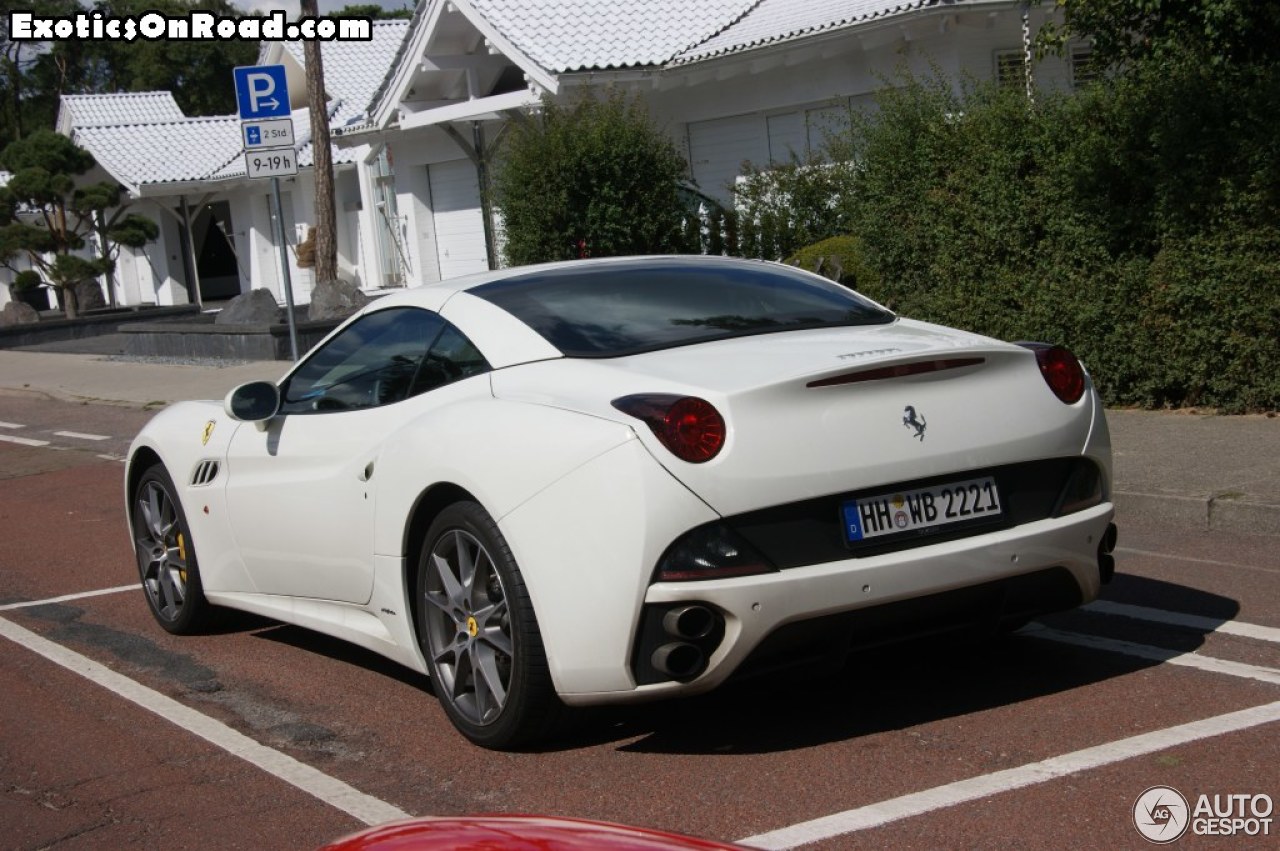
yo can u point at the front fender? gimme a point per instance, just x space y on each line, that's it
183 436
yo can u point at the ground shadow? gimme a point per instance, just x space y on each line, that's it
874 691
342 651
904 686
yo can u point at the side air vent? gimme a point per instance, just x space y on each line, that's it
206 471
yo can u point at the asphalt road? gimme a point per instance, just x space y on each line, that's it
115 734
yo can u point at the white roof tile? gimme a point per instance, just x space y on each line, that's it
122 108
144 138
577 35
773 21
164 152
353 70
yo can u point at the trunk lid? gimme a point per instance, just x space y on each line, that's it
821 412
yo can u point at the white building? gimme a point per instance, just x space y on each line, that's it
188 175
731 80
415 111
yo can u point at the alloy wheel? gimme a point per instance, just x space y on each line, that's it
468 627
162 550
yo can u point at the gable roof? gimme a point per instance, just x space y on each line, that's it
579 35
165 151
354 70
117 108
777 21
549 38
143 138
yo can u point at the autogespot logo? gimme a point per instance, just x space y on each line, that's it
1160 814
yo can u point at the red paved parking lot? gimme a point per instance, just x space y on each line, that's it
82 767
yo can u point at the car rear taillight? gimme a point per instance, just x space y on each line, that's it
1061 370
688 426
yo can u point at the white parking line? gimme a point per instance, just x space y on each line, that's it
65 597
11 425
82 436
25 441
1156 654
330 790
962 791
1199 622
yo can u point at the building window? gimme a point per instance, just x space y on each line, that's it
1084 70
1011 69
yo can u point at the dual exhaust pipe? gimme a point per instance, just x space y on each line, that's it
689 625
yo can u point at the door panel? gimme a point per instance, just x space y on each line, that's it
301 502
302 492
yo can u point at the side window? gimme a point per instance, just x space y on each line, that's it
372 362
452 358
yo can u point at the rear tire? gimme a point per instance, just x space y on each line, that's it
166 556
477 630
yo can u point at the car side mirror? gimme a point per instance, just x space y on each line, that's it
255 402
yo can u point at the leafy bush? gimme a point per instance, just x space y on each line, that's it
843 260
781 209
27 279
1137 222
1210 324
590 177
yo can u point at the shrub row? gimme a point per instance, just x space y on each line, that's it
1136 222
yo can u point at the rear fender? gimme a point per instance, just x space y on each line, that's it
587 545
502 453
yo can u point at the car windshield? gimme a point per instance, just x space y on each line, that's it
623 308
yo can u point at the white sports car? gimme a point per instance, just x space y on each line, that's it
615 480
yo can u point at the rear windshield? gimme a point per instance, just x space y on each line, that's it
628 307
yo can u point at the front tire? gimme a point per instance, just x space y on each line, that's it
477 629
167 556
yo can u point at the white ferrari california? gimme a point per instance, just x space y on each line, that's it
623 479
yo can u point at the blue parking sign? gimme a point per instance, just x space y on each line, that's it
262 91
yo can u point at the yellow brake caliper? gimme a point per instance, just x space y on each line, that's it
182 553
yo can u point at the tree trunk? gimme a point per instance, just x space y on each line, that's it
70 304
104 254
326 243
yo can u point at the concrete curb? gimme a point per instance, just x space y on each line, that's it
1203 513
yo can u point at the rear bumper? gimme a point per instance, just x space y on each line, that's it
784 617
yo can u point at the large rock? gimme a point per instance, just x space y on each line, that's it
256 307
89 296
18 313
335 300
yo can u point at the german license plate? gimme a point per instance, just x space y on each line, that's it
920 508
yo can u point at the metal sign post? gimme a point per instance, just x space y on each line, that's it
284 269
262 93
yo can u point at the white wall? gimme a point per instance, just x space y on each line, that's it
764 107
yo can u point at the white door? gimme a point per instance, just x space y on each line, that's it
301 493
455 206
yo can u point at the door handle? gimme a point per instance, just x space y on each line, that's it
367 473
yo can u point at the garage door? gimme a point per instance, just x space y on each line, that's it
455 206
